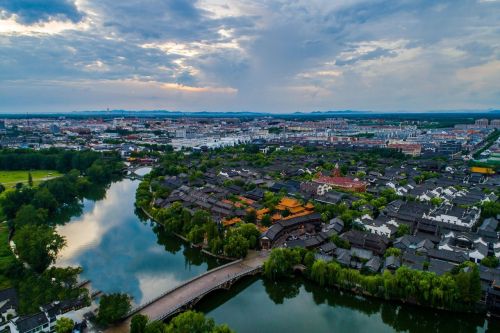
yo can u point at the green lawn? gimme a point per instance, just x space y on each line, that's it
11 178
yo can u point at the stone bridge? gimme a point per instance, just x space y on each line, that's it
186 295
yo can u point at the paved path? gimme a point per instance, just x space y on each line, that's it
190 292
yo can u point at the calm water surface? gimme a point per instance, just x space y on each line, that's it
255 305
119 253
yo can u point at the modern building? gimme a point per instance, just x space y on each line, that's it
449 148
483 122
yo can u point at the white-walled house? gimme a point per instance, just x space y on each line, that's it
474 247
382 226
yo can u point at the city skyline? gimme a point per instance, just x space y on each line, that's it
256 56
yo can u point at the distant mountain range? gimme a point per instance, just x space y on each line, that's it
248 114
266 114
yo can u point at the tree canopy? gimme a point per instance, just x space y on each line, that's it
38 245
186 322
64 325
113 307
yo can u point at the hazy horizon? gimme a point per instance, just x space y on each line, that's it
117 111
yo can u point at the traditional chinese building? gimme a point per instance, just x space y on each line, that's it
345 183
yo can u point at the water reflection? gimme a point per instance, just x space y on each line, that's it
142 171
281 290
299 306
67 212
96 192
120 254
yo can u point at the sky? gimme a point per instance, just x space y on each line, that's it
249 55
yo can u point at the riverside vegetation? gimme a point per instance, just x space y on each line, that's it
31 214
199 227
459 290
189 321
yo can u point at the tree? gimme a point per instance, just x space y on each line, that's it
44 199
490 261
201 217
194 322
98 172
475 284
138 323
64 325
63 189
28 214
155 327
392 251
266 220
437 201
113 307
340 242
490 209
196 234
280 262
12 200
236 246
251 216
403 229
54 284
30 179
186 322
250 232
389 194
38 245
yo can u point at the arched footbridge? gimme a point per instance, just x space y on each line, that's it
186 295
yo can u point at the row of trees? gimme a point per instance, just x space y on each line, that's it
48 159
459 290
189 321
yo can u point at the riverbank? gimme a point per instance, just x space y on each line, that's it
459 291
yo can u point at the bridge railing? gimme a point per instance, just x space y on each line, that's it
82 283
144 305
207 291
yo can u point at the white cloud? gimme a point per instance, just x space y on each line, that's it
10 25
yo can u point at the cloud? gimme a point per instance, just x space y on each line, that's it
35 11
261 55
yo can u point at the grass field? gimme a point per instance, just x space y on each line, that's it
11 178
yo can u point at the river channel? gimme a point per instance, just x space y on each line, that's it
121 253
